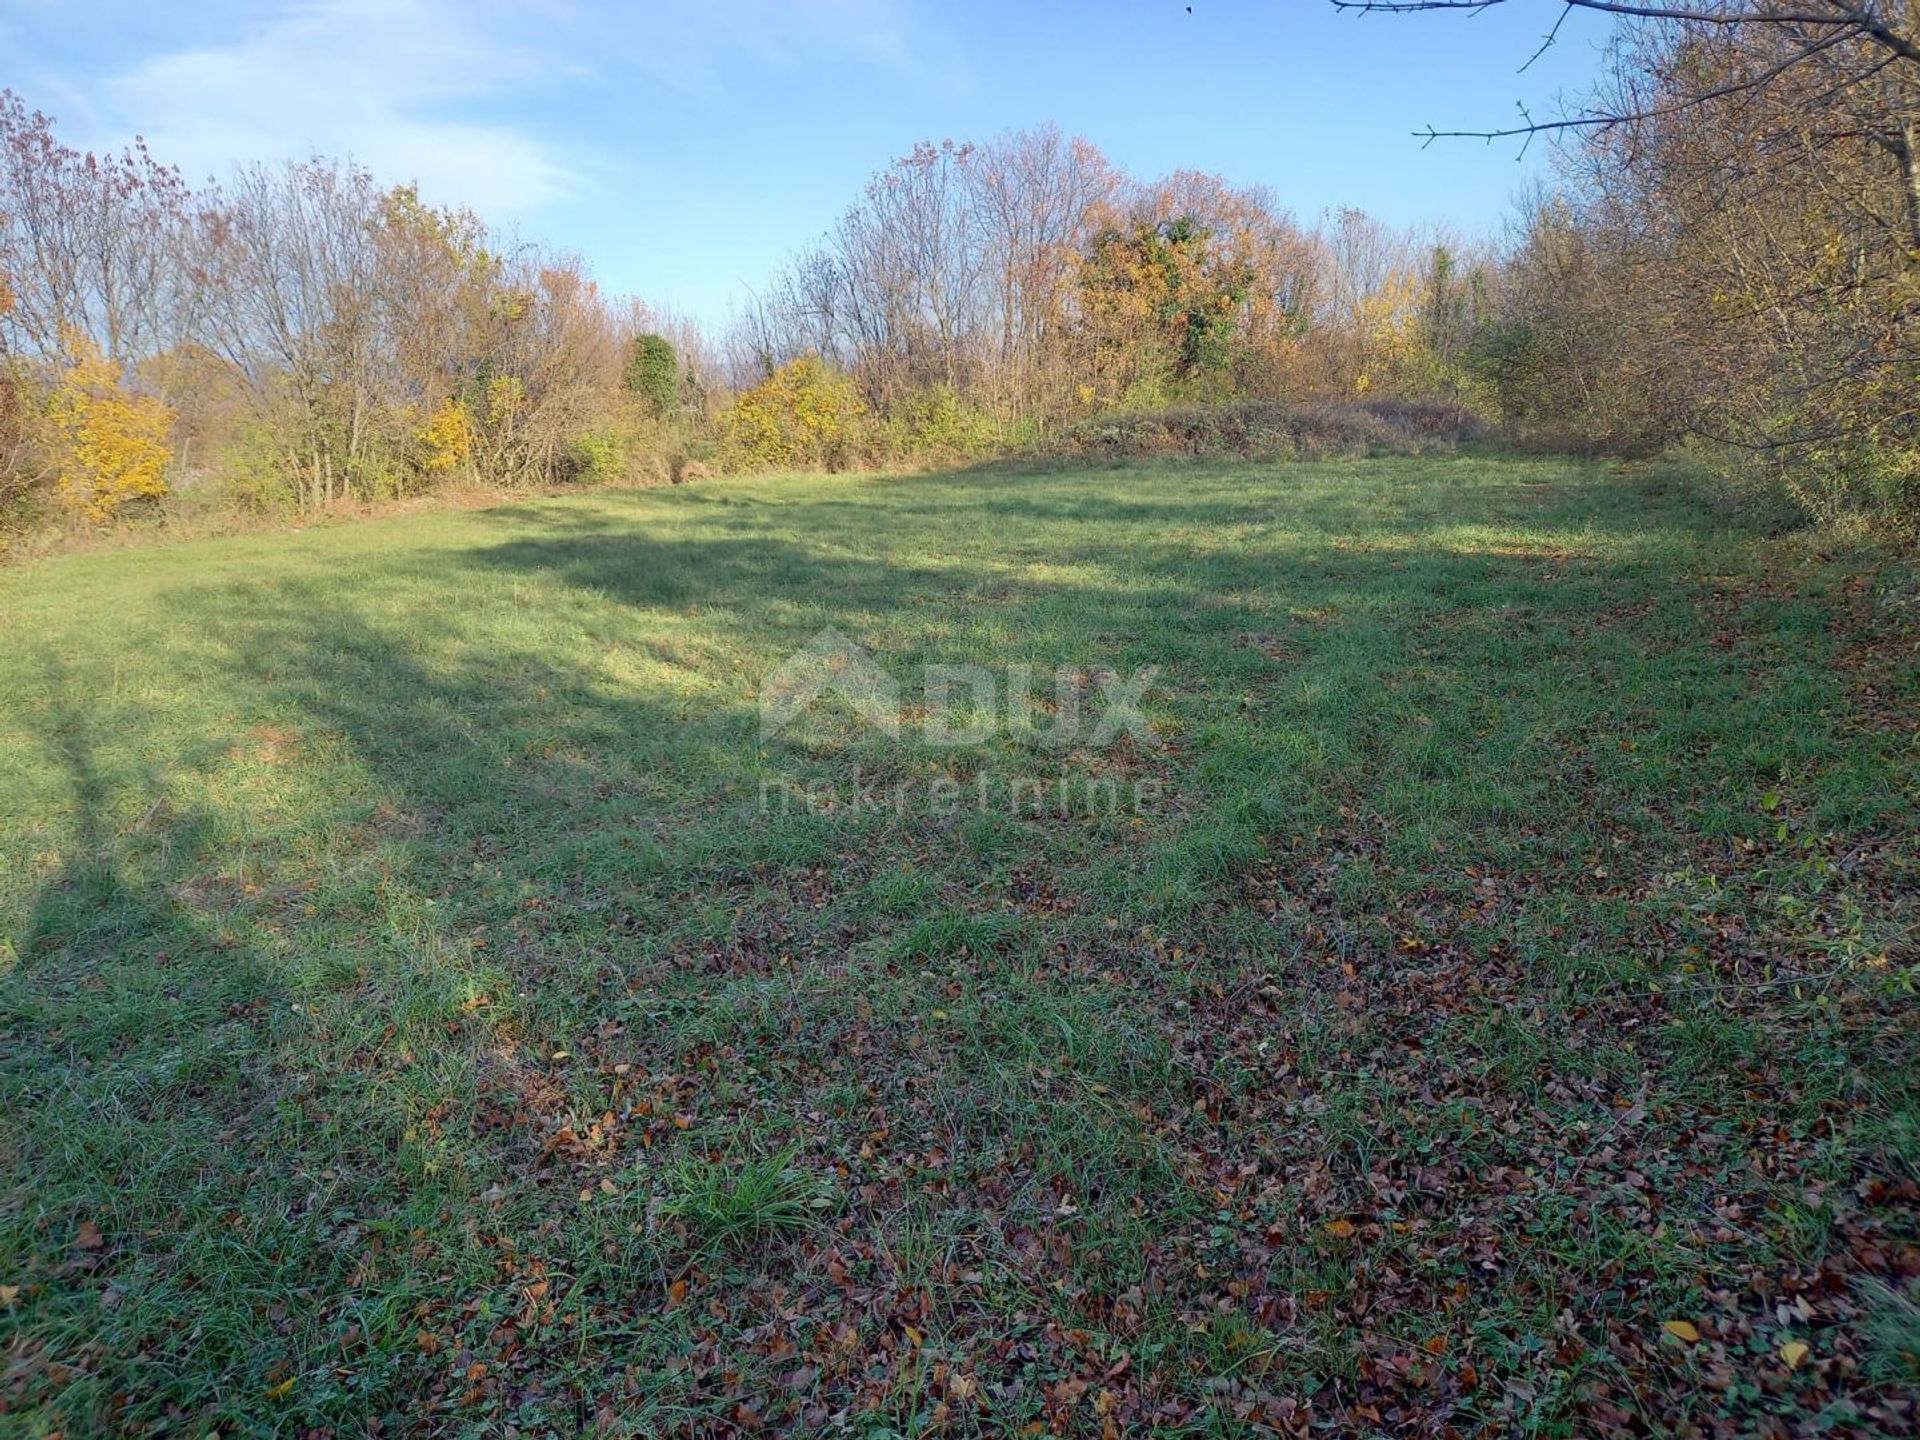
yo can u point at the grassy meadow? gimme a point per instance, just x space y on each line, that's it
424 1010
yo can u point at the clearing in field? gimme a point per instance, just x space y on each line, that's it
440 993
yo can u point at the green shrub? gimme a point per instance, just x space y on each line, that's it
936 424
1872 484
250 472
653 373
595 457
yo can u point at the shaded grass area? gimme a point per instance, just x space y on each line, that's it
1497 1014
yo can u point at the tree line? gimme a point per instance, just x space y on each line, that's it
1731 253
1005 287
303 336
1727 256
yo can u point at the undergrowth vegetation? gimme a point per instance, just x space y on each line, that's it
1273 430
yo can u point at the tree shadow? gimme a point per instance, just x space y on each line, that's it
382 936
139 1044
647 572
290 995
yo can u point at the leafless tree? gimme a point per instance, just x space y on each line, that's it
1036 191
89 243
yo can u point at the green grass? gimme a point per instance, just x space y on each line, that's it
725 1204
403 983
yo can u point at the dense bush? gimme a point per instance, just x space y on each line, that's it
936 424
1733 258
653 373
1860 482
805 414
595 457
1265 429
106 445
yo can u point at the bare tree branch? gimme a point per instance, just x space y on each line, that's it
1863 20
1606 119
1803 33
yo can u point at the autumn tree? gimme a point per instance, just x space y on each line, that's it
395 344
1038 194
292 270
1776 213
1752 167
91 244
1161 306
953 272
553 371
110 443
18 473
1581 356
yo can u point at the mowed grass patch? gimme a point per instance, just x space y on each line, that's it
429 1001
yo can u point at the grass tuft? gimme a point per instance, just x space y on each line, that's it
729 1203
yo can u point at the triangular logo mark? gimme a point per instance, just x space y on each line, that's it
830 663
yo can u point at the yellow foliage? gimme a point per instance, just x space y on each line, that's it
1387 329
805 413
111 442
448 437
455 238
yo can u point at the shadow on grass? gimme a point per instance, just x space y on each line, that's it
286 1002
638 569
298 1025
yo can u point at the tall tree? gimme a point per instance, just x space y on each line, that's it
1757 164
90 244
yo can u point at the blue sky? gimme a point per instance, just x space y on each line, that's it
684 148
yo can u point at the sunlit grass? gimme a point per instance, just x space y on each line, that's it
392 927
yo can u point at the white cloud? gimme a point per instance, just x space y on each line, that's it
486 103
691 44
380 80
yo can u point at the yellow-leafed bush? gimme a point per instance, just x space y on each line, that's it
447 438
805 413
111 443
506 399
